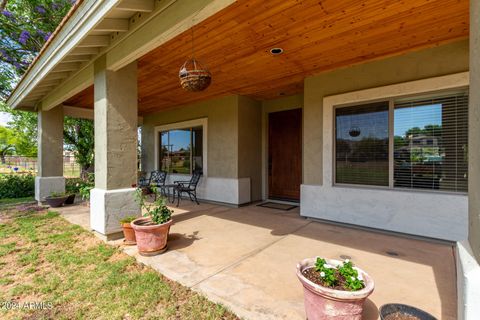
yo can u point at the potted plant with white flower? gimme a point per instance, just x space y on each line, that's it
333 289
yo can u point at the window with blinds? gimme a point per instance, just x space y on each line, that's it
414 143
430 143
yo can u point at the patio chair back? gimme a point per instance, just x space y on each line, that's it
158 177
143 181
194 180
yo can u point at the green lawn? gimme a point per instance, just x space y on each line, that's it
45 259
12 201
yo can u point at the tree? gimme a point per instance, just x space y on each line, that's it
25 25
79 138
7 142
432 130
24 126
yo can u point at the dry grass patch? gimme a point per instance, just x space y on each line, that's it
45 259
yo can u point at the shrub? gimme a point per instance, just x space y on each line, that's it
73 185
80 186
86 186
17 186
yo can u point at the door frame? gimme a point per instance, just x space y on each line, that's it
266 110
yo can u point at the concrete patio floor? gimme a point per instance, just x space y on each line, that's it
245 259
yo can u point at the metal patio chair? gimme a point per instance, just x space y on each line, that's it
188 187
157 180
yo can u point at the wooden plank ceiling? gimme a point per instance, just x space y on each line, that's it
316 36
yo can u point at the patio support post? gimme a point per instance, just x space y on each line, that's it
50 154
115 119
468 252
474 134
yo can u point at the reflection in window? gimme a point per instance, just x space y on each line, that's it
181 150
362 144
430 143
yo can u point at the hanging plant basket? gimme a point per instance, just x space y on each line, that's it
354 132
194 76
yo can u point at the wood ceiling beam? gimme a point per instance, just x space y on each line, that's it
136 5
77 58
57 76
36 96
113 25
42 92
83 51
95 42
51 83
66 66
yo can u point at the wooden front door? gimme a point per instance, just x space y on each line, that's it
285 154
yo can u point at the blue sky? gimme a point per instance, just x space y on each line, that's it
4 118
179 139
407 118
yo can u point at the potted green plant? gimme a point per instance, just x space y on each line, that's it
333 289
128 231
151 230
56 199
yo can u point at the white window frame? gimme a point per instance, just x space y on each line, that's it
430 86
203 122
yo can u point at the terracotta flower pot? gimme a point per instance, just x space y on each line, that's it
326 303
129 234
151 238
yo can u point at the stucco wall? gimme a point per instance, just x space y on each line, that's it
222 114
421 213
474 132
250 144
442 60
233 146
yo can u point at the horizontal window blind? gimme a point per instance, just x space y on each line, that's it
362 144
430 143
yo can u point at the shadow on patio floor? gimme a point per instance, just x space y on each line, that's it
245 258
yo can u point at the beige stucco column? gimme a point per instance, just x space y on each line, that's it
468 252
474 130
50 154
115 119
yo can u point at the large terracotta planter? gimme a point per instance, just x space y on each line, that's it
151 238
326 303
129 234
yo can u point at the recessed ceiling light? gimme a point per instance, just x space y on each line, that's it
276 51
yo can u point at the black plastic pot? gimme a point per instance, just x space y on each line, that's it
390 308
70 199
55 202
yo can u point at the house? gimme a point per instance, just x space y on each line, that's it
306 103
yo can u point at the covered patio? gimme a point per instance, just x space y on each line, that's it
268 128
245 259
